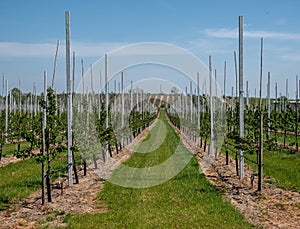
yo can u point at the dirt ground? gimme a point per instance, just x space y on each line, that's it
8 159
81 198
272 208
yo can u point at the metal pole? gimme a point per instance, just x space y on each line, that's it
297 89
260 153
69 101
287 88
225 82
247 104
20 98
236 75
191 108
6 111
269 104
241 98
44 140
131 97
73 74
276 96
55 60
198 103
106 104
123 108
91 67
211 151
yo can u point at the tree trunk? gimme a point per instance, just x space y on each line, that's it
75 169
95 161
84 167
48 182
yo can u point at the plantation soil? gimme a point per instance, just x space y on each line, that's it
271 208
79 199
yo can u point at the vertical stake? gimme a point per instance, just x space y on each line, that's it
69 101
241 98
260 153
211 151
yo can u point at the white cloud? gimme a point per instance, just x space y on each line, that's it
233 33
13 49
291 57
17 49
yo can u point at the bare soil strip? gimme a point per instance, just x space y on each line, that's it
272 208
9 159
79 199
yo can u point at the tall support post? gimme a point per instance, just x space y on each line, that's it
100 94
106 104
297 92
69 101
247 95
247 104
6 111
198 109
224 94
55 60
276 97
131 97
236 75
43 139
269 104
123 108
73 74
115 97
137 100
211 151
260 153
35 102
287 88
82 79
241 94
3 88
191 109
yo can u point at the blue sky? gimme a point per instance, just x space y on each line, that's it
29 30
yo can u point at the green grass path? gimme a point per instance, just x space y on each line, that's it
185 201
19 180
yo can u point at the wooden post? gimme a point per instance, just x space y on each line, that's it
69 101
106 104
241 95
260 153
211 151
236 75
198 108
123 108
297 91
44 139
55 60
191 108
269 105
6 112
247 103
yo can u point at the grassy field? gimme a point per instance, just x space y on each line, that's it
8 149
290 139
18 180
281 164
185 201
